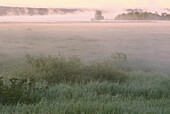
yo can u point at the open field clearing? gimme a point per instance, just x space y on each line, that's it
145 43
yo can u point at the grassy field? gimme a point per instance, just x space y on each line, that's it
144 43
102 98
66 85
85 68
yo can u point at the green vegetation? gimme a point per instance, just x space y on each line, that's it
20 91
62 69
136 15
66 85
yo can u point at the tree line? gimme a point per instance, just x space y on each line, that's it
137 15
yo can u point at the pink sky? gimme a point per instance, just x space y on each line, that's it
90 3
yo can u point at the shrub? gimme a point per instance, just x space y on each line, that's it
61 69
55 69
20 91
105 71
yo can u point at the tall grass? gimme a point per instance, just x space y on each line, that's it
146 93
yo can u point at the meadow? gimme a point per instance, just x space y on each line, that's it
85 68
145 43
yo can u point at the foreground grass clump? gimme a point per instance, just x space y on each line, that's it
61 69
20 91
142 93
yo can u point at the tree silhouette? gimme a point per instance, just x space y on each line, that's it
98 15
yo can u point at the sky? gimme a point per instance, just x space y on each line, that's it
105 4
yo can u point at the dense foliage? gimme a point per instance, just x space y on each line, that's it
62 69
142 16
20 91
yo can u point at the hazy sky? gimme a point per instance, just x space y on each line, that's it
90 3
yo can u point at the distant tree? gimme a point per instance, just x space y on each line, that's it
164 14
31 11
98 15
134 10
42 11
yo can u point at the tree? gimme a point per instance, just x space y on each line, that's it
98 15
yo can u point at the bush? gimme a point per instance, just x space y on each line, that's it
105 71
20 91
61 69
55 69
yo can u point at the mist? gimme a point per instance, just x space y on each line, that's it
102 59
29 14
